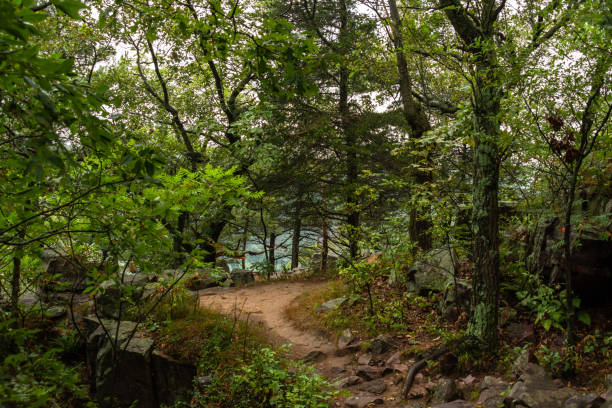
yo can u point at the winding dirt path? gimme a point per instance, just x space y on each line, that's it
266 303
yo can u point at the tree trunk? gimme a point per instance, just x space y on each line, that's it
295 241
245 237
272 260
567 250
482 324
414 114
15 287
324 248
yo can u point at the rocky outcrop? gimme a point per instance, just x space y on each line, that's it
62 273
126 370
434 272
591 259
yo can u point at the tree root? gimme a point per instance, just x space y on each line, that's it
419 365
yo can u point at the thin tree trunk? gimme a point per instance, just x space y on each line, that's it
567 249
272 260
295 241
245 237
15 287
324 248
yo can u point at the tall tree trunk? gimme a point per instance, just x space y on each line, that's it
272 259
295 240
15 287
483 321
567 254
350 139
487 94
245 237
420 224
324 248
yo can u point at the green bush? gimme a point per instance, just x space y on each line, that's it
32 377
267 381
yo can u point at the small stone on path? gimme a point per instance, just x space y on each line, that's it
377 386
362 401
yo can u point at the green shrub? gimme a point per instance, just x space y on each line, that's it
32 377
267 381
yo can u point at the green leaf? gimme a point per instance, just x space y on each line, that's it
584 317
69 7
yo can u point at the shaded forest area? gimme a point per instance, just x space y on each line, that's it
443 167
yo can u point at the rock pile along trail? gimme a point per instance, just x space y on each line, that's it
266 304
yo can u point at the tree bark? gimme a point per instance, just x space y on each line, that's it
419 123
324 248
272 259
486 103
295 241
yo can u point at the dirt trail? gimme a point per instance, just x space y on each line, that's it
266 303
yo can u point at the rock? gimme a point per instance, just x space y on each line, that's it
445 391
519 332
314 356
584 401
369 373
469 380
204 279
490 382
62 272
242 277
433 273
591 259
134 382
365 359
173 379
377 386
381 344
394 359
55 312
350 349
520 363
536 389
455 404
332 304
346 338
349 381
337 370
506 315
362 401
400 368
457 297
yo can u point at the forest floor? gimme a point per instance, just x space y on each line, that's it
267 303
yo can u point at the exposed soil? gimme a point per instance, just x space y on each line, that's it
266 304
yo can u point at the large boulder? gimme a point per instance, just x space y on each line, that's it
125 369
117 295
173 379
434 272
61 272
591 259
536 389
241 277
205 278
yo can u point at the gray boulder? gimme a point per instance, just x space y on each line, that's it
173 379
242 277
536 389
332 304
61 272
433 273
445 391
